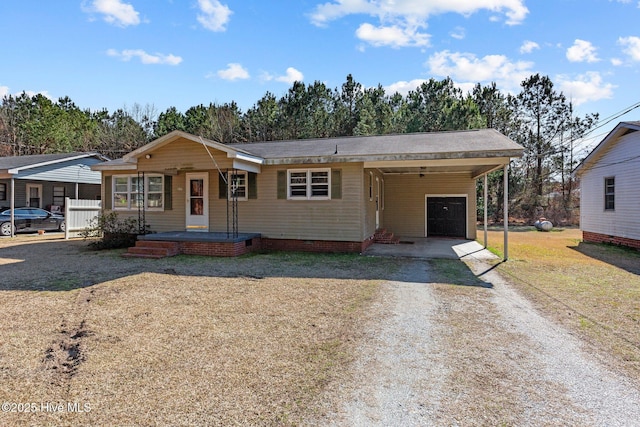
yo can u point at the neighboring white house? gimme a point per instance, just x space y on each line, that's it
610 188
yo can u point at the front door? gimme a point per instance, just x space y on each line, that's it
34 195
446 217
197 202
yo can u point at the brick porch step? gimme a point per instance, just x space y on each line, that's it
383 236
152 249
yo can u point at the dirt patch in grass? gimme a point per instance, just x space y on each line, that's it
179 341
592 289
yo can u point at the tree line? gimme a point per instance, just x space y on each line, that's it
539 118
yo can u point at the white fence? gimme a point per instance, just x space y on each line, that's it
78 215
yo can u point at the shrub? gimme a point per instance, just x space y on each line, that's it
112 232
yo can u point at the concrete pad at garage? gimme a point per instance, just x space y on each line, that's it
432 248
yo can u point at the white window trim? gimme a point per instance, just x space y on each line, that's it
308 183
131 207
606 193
246 184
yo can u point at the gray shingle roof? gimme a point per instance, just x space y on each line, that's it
472 143
22 161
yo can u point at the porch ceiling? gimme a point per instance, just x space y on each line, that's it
475 168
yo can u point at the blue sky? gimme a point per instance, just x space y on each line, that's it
115 53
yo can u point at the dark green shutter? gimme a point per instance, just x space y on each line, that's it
282 184
168 201
336 184
222 185
106 203
252 179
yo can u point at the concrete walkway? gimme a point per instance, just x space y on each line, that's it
432 248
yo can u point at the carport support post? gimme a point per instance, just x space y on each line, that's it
506 211
13 204
484 202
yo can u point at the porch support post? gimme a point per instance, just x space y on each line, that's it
13 204
506 211
484 202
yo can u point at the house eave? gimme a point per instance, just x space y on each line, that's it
232 152
592 157
387 159
120 167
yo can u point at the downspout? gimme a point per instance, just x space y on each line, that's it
506 212
484 201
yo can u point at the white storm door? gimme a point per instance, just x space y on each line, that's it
34 195
197 218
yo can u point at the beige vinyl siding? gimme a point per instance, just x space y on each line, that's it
336 219
620 161
405 204
177 159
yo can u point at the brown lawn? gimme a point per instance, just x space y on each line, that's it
179 341
592 289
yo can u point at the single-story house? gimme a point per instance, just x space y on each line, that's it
44 180
610 188
319 194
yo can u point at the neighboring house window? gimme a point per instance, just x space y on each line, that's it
132 192
609 194
3 191
58 196
238 182
309 184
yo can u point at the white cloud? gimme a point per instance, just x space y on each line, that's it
582 51
145 58
458 33
528 46
403 87
631 46
234 71
416 10
585 87
393 36
114 12
616 62
400 20
214 16
292 75
4 91
466 68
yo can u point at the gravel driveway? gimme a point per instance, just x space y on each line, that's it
476 355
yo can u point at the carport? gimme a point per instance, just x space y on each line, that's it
433 195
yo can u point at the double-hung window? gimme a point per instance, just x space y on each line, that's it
609 194
309 184
133 192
